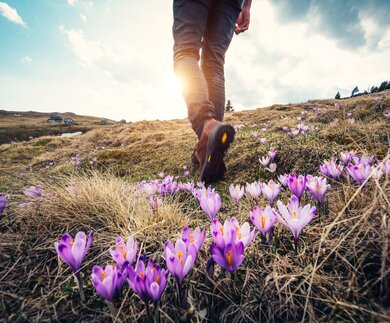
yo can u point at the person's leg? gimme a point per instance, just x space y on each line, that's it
189 27
219 33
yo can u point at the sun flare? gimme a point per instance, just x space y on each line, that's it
174 84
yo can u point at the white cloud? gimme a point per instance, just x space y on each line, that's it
83 17
87 51
25 59
11 14
72 2
277 62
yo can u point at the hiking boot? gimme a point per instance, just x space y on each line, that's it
214 141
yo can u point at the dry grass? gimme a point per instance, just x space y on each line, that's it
340 274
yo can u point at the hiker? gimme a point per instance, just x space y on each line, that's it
208 25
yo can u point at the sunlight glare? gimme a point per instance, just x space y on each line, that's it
174 84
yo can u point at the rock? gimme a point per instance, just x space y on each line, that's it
71 135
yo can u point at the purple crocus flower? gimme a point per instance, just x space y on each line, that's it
272 167
255 135
283 179
273 154
296 184
34 191
285 128
108 281
179 258
154 202
149 281
150 188
363 160
189 186
359 172
345 157
195 237
295 218
124 252
387 115
264 160
331 169
231 232
270 191
186 174
210 202
229 257
302 128
168 186
264 219
317 187
263 140
93 161
72 252
3 202
385 166
236 192
294 131
253 190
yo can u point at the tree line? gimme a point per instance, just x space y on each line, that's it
385 85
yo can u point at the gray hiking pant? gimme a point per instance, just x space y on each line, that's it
205 26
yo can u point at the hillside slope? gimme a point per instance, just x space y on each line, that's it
23 125
340 271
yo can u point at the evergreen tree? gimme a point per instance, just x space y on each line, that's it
338 96
383 86
354 91
229 107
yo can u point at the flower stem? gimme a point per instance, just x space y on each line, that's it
270 235
157 313
148 314
179 293
156 201
296 246
112 309
80 286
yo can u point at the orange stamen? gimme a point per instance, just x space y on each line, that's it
238 233
229 257
179 255
263 221
294 213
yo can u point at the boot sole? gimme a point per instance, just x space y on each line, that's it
219 141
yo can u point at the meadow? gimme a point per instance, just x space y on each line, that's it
136 180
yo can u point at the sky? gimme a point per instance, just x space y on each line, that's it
113 58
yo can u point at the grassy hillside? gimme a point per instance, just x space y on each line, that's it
341 271
19 126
